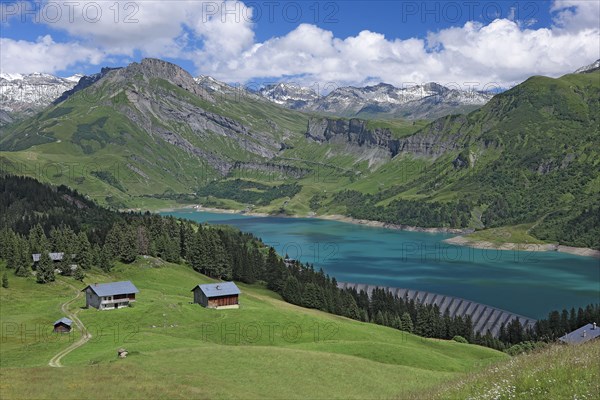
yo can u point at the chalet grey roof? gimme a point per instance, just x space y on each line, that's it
218 289
65 321
113 288
53 256
583 334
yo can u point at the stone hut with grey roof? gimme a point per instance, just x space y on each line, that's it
222 295
110 296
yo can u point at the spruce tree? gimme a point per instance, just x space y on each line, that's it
112 243
105 260
292 290
84 256
6 238
407 324
276 272
312 296
128 247
396 322
21 257
45 269
96 250
11 252
38 242
195 250
5 280
379 318
349 307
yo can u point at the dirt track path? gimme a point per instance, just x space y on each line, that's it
85 335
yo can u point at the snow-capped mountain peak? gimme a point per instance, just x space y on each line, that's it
589 68
418 101
29 93
289 95
74 78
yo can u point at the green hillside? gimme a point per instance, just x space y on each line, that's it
148 136
559 372
180 350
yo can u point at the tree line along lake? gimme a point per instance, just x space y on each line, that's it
524 282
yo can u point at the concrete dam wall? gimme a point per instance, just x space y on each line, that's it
484 317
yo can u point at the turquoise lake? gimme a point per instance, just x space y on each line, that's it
527 283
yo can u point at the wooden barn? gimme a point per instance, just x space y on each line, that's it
63 325
222 295
110 296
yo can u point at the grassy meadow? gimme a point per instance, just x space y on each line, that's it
265 349
558 372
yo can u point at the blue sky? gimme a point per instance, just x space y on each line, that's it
346 42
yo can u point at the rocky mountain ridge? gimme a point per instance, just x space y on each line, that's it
427 101
25 94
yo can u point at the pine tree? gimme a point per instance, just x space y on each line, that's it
5 280
276 272
128 247
379 318
407 324
45 269
195 250
292 290
105 260
6 243
422 325
396 322
38 242
349 307
21 257
11 250
312 296
84 256
112 243
96 250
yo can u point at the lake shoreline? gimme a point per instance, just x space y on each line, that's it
459 240
331 217
535 247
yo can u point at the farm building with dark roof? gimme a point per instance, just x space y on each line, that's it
220 295
63 325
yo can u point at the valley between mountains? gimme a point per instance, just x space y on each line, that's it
521 166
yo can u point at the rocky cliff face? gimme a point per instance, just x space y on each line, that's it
84 82
175 118
429 143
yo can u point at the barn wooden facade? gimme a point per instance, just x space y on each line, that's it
221 295
110 296
63 325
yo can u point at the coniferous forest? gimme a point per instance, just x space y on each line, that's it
37 218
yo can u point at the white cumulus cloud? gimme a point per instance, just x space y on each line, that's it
219 38
43 55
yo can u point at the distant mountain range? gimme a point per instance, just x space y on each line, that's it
24 95
426 101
